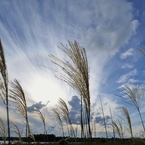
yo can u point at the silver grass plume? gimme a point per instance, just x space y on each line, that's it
127 120
134 97
17 96
76 74
16 131
118 128
4 86
64 111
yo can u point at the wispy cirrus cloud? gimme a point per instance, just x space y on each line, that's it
129 52
127 66
132 80
127 77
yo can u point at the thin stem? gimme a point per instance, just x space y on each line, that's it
103 117
112 124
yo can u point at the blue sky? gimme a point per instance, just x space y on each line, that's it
111 31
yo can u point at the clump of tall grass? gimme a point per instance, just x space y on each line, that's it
133 96
64 111
17 96
118 127
127 120
76 75
4 86
3 130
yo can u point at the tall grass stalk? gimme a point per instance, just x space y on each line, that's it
17 96
31 135
76 74
3 130
142 50
81 119
65 114
127 120
134 96
58 118
16 131
41 116
105 125
4 88
112 123
118 128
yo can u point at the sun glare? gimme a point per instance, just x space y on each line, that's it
46 89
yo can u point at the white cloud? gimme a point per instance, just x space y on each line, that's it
127 66
129 52
132 80
126 77
113 27
3 109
